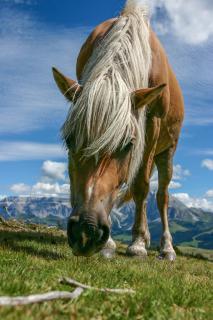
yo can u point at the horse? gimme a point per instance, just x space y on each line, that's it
125 119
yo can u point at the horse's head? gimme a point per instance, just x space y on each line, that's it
95 181
95 187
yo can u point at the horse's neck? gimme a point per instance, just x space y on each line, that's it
95 37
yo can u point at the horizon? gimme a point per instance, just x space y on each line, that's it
34 38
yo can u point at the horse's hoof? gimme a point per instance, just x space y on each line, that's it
169 256
107 253
136 251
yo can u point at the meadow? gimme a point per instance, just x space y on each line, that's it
33 258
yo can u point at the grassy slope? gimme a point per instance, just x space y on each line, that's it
33 259
197 235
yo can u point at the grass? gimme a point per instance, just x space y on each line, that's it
33 258
196 252
174 227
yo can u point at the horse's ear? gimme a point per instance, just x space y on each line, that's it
144 97
68 87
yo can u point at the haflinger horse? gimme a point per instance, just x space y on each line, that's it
126 115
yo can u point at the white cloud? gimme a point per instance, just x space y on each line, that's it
48 189
48 184
20 150
29 97
190 20
209 193
191 202
20 188
2 197
41 189
53 170
180 27
179 173
175 185
207 163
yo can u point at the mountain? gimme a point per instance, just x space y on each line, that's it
189 226
177 212
50 211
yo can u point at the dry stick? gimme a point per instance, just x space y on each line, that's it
54 295
75 283
37 298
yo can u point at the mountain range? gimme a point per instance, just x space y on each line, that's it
189 226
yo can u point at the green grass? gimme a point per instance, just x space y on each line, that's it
195 240
193 243
123 237
33 258
174 227
196 252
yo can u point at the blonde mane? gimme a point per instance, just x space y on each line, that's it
102 119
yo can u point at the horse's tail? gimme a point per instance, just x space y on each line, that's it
134 5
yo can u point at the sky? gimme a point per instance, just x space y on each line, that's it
38 34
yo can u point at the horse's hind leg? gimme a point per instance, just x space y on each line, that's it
140 231
164 163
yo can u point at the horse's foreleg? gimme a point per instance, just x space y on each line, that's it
140 190
140 231
164 163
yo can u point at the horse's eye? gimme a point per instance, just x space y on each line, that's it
128 147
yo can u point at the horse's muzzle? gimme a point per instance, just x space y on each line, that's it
86 237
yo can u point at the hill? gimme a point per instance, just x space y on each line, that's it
189 226
34 257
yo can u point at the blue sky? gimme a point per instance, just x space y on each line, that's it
37 34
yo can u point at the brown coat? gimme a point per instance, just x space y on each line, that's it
93 195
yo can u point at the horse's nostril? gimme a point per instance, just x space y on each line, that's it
103 234
72 229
